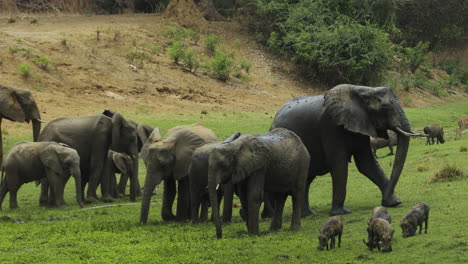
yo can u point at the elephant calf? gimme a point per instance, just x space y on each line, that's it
33 161
118 163
434 131
276 162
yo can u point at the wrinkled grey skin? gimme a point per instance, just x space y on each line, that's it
462 124
155 136
381 235
275 162
198 181
18 105
93 137
377 212
414 218
434 131
332 228
33 161
169 160
378 143
121 163
337 126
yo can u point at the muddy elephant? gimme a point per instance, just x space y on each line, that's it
18 105
434 131
275 162
169 160
337 126
378 143
93 137
118 163
198 182
33 161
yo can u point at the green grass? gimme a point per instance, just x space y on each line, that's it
32 234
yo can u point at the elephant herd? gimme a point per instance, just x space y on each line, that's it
309 137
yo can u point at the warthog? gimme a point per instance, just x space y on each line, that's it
380 235
414 218
434 131
333 227
377 212
378 143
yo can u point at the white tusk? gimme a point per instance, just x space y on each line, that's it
217 186
411 133
40 120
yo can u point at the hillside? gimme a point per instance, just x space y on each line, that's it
89 58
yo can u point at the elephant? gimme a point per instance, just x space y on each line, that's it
338 125
276 162
33 161
434 131
169 160
462 124
18 105
92 137
117 163
378 143
198 182
154 137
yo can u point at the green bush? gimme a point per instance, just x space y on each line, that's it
222 65
43 62
176 51
211 43
413 58
457 74
245 65
190 60
25 70
11 20
138 57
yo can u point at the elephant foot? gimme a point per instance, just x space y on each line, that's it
307 211
266 213
339 211
168 217
91 199
295 228
107 199
391 202
243 214
43 203
226 220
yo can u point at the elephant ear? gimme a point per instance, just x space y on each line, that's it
10 105
186 143
249 158
121 161
344 105
143 132
50 159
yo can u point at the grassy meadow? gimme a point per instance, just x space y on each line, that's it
112 234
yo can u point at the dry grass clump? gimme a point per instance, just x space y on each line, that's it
422 168
463 149
449 172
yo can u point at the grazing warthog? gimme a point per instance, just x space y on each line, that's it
333 227
380 235
378 143
462 124
414 218
434 131
377 212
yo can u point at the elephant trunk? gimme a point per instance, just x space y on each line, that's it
36 124
134 178
214 205
400 158
77 175
150 183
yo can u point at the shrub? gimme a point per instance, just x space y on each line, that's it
176 51
13 50
463 149
245 65
137 57
190 60
447 173
211 43
25 70
457 75
11 20
43 62
33 20
222 65
27 53
413 58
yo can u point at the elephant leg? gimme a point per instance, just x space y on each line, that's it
368 166
168 199
114 192
195 207
44 197
3 192
13 198
59 187
228 201
244 212
255 192
122 184
51 202
306 210
183 200
391 150
279 199
268 208
98 160
297 204
339 174
204 211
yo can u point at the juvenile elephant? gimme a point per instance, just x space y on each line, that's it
198 181
18 105
117 162
338 125
169 160
275 162
33 161
434 131
93 137
378 143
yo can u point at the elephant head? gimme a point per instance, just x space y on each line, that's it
18 105
63 161
171 158
154 137
371 111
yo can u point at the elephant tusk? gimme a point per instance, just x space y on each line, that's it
217 186
40 120
411 133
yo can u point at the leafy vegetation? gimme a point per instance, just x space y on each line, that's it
222 65
111 234
25 70
211 43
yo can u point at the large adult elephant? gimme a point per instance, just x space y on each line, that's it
338 125
18 105
93 137
169 160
